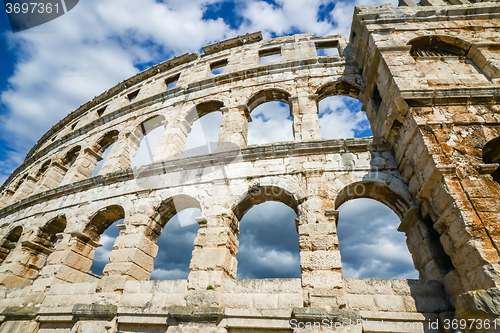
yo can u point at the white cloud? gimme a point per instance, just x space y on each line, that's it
285 17
270 123
65 62
338 120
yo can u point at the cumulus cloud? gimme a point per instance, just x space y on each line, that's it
370 245
271 122
341 117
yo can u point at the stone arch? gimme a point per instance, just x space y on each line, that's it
281 232
374 190
105 141
24 266
259 194
423 241
446 60
274 122
48 234
173 205
70 156
101 148
43 168
345 88
147 125
140 133
195 125
164 234
341 100
268 95
102 219
202 109
10 242
439 45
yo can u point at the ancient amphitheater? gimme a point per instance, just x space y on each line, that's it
428 76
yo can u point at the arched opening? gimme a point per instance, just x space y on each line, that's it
491 154
48 235
339 112
444 61
103 230
178 229
102 148
340 117
369 243
10 242
268 238
268 243
205 120
271 117
45 241
71 156
147 133
370 219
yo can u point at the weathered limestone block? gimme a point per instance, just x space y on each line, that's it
234 127
320 265
83 167
214 255
173 142
52 178
121 155
304 109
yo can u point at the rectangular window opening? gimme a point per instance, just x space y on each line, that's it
100 112
268 56
132 96
327 48
171 82
218 67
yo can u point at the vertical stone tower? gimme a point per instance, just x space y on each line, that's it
432 73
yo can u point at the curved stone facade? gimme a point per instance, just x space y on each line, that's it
428 77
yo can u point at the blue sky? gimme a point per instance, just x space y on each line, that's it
48 71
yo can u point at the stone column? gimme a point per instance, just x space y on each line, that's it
215 249
320 261
172 144
305 117
52 178
72 257
134 251
234 127
25 190
121 155
82 168
6 197
23 264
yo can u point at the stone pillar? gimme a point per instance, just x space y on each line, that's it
23 264
121 155
52 178
304 109
82 168
72 257
234 127
134 251
6 197
215 249
320 261
25 190
172 144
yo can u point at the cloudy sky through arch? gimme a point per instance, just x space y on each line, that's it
48 71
